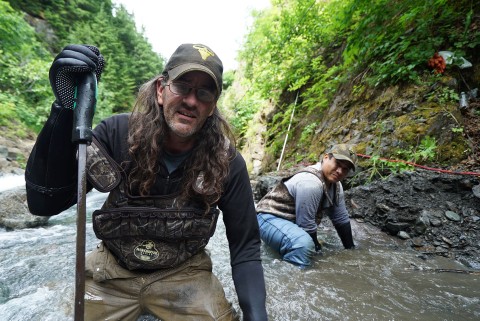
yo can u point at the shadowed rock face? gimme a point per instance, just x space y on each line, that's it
435 213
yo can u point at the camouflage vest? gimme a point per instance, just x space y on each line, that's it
145 232
280 202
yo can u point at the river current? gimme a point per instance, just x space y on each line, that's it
380 280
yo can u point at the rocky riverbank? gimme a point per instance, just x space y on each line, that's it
13 154
433 213
14 212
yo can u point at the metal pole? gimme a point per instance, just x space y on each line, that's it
84 109
81 231
288 130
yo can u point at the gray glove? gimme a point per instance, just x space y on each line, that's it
73 59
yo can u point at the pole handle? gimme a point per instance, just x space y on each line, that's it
84 107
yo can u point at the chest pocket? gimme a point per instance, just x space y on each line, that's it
153 238
102 171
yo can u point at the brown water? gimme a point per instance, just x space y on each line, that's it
381 280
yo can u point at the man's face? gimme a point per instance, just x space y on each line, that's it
334 170
186 114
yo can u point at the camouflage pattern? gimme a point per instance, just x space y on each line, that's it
153 238
102 171
145 232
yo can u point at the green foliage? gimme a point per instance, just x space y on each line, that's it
307 132
242 115
443 95
378 167
228 78
279 49
7 110
381 168
23 81
290 45
425 151
317 48
26 55
396 38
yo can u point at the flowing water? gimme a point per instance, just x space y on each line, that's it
380 280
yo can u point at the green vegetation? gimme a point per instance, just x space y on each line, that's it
351 70
425 151
356 47
377 167
27 53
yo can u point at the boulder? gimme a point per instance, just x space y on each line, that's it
14 213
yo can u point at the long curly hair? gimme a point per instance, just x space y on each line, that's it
207 166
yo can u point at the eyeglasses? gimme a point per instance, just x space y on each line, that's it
183 89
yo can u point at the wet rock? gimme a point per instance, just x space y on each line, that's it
422 223
403 235
452 216
440 250
466 212
451 206
395 227
418 241
426 197
448 241
476 191
435 222
14 213
3 151
263 185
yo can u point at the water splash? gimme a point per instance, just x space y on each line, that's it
11 181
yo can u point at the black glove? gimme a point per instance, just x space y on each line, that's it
72 60
345 233
318 246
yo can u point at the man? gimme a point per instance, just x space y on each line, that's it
289 213
169 166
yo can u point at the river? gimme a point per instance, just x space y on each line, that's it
380 280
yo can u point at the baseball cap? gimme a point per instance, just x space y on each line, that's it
191 57
344 152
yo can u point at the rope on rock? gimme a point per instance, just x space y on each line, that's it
423 167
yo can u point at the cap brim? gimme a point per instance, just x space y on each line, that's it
343 157
180 70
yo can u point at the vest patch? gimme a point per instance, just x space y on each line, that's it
146 251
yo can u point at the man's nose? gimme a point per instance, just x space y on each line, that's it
191 98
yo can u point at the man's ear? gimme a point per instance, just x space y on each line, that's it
160 89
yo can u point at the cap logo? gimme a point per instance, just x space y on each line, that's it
204 51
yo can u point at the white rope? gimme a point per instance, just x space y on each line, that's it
286 137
